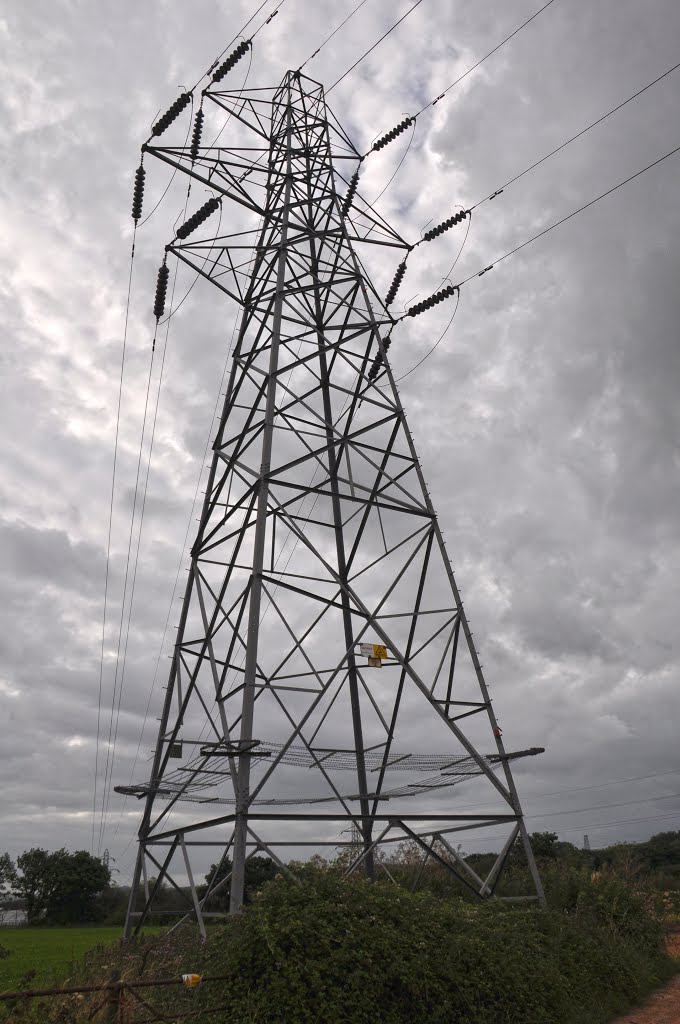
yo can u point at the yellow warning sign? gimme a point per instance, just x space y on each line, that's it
191 980
379 651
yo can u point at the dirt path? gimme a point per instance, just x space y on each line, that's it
664 1006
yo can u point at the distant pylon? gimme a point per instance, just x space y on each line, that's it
323 653
586 842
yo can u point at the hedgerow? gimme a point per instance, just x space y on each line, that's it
334 951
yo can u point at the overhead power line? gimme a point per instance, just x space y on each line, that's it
574 213
375 45
531 167
123 601
108 541
603 807
591 828
238 35
329 37
545 231
567 142
486 56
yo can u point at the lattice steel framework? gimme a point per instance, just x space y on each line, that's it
317 536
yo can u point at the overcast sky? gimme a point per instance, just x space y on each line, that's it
547 419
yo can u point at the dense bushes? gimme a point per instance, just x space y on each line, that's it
329 951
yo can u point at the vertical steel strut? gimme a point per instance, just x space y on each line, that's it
244 760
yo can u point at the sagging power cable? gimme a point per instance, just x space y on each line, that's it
375 45
567 142
534 238
574 213
486 56
329 37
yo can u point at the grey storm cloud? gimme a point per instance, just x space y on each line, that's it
547 418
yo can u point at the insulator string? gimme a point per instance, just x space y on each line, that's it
171 114
350 193
197 133
445 225
398 167
161 289
138 193
232 59
198 218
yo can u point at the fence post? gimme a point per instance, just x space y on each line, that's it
113 1013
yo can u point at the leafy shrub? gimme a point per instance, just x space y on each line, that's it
332 951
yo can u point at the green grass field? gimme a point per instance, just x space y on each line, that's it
48 951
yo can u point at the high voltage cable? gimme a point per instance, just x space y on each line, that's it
573 138
125 583
364 55
174 589
485 57
614 782
603 807
551 227
237 36
107 794
574 213
436 344
105 798
108 542
597 785
591 828
179 568
396 171
441 96
329 37
536 164
177 574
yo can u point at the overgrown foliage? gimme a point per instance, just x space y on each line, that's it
332 951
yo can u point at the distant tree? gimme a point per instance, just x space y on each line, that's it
60 887
112 904
81 879
7 874
258 871
545 845
38 880
662 850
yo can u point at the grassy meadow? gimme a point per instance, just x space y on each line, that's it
48 952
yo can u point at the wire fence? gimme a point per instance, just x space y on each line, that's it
119 1000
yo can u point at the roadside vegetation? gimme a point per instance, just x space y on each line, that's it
331 950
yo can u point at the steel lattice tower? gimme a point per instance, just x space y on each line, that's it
282 724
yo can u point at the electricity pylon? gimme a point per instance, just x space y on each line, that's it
322 636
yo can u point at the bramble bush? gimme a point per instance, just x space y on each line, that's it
336 951
332 951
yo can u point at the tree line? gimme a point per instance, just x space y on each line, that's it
57 887
67 888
